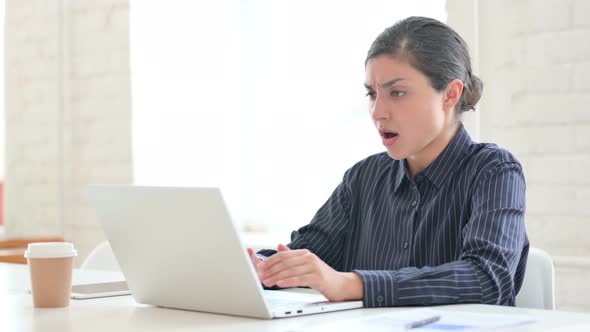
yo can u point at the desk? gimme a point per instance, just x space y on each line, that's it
124 314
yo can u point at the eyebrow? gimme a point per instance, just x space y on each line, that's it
386 84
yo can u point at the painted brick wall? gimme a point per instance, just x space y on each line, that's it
68 121
534 59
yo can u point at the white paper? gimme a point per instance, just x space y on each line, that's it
449 321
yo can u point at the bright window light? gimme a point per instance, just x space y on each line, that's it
262 98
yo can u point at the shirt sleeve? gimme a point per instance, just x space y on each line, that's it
325 234
493 241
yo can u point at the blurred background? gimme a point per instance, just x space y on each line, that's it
265 99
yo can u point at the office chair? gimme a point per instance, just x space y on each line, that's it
538 286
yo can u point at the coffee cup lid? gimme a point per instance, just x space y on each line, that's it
50 250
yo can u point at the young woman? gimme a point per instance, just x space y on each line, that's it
436 219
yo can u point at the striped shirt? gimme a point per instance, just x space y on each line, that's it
454 233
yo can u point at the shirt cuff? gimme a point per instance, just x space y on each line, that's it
379 288
261 257
266 253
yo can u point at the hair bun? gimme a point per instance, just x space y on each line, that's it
471 92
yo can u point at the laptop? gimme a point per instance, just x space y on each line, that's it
178 248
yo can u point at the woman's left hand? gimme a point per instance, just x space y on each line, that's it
302 268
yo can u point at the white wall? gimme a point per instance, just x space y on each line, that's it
534 60
67 113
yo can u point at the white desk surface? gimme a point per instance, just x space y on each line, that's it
124 314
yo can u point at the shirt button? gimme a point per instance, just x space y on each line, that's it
414 203
379 298
406 245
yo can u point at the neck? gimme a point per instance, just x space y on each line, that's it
420 160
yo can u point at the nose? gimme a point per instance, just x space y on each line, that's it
378 109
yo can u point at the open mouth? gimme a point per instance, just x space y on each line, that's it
388 137
387 134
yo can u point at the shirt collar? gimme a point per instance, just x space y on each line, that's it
444 165
402 173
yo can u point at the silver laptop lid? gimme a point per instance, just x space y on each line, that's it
178 248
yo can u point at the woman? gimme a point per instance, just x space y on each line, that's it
438 218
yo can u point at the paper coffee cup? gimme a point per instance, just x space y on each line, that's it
50 265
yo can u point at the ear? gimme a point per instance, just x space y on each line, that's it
452 94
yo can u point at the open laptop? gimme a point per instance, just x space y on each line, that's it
178 248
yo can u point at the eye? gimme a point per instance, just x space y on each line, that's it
397 93
371 95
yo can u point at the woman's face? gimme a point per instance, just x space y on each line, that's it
407 111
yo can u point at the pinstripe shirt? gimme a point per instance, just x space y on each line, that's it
454 233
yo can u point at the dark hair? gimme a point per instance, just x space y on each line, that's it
434 49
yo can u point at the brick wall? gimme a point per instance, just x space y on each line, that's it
534 59
68 120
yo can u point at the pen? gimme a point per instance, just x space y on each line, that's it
422 322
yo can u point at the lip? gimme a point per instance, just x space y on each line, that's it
388 141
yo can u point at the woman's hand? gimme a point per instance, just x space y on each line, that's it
257 260
302 268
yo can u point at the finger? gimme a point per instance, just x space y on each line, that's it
285 264
280 248
280 258
288 273
253 257
255 261
282 255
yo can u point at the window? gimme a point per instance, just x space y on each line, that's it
262 98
